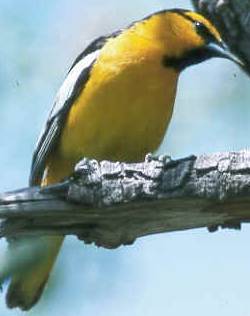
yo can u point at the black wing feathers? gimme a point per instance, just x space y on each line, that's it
53 127
52 130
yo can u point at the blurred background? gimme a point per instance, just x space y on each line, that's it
185 273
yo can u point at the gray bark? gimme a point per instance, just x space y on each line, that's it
111 204
232 18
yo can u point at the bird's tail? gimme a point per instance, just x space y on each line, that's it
27 283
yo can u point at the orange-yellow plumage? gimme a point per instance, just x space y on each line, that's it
120 113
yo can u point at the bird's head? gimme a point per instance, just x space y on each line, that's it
188 38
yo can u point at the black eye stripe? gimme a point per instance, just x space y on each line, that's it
200 28
204 32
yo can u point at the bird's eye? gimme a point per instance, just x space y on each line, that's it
204 32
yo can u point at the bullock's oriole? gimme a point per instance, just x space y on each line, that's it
115 103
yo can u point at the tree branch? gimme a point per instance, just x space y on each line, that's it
232 18
111 204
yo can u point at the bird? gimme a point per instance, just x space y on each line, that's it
115 104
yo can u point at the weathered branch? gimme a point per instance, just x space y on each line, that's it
232 18
114 203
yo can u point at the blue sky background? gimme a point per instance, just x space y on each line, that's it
192 272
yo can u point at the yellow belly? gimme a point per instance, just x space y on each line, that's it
121 114
121 119
117 119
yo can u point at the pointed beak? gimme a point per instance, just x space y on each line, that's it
220 49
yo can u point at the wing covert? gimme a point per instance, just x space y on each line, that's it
74 83
69 91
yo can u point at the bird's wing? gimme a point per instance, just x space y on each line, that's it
72 86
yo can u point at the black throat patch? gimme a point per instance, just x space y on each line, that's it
192 57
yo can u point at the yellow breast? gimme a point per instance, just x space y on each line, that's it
124 109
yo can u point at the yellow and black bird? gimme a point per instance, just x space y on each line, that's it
115 103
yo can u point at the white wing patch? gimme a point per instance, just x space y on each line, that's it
67 88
